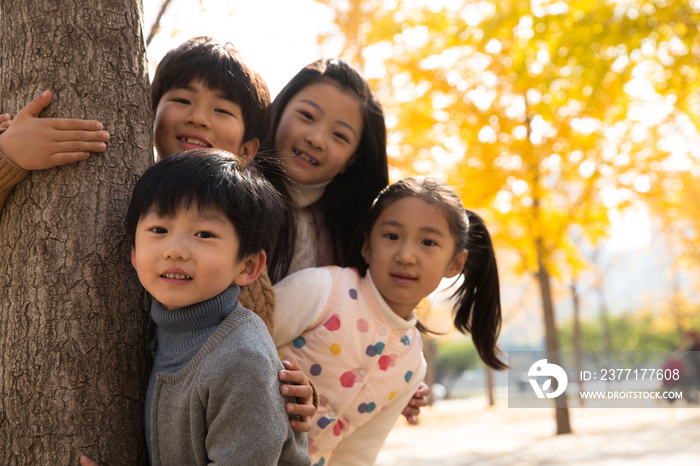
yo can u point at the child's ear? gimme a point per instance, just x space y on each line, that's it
248 150
251 268
133 256
457 264
365 250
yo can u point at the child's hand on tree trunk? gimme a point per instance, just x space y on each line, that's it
34 143
85 461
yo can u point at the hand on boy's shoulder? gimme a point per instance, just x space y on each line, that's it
34 143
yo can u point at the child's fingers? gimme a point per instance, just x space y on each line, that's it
78 146
67 124
306 410
290 363
79 135
298 391
423 390
295 377
410 411
418 402
39 103
85 461
64 158
304 425
5 117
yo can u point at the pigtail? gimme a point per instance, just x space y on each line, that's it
477 301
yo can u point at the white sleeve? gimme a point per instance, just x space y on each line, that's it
362 446
301 299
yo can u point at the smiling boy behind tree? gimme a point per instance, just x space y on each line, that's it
198 224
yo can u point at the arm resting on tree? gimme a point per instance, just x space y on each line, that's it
10 175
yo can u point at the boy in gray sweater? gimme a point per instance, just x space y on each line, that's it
199 226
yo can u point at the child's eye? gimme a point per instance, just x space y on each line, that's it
224 111
205 234
428 242
306 115
341 136
182 101
158 230
391 236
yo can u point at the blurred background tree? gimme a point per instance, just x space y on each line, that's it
546 114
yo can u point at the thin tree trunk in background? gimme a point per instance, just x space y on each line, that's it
489 385
552 346
73 318
577 333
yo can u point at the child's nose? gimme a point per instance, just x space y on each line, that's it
406 254
198 117
315 137
176 250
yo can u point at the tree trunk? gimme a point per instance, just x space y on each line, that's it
577 332
489 385
552 345
73 317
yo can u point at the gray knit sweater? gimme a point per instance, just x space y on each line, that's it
213 397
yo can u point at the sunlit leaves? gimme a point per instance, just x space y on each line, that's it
545 113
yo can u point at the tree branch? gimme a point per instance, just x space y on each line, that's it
156 23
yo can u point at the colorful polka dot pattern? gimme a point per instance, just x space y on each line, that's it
373 350
366 407
333 323
324 422
299 342
353 329
362 326
339 427
387 361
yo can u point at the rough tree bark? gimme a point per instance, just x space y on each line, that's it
73 318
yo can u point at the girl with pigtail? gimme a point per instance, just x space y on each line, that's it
357 337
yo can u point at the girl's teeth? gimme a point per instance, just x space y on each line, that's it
195 142
178 276
306 158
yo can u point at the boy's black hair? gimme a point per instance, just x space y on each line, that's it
211 179
347 199
222 68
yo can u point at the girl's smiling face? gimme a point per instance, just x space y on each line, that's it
318 133
409 250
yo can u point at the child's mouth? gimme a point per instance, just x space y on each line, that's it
402 279
304 157
177 276
194 142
